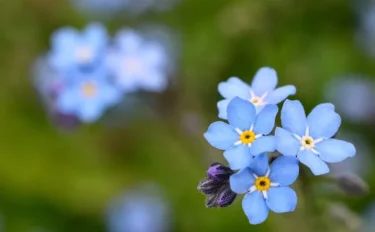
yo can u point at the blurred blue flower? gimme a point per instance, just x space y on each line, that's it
245 135
266 187
100 7
89 96
310 138
72 49
141 210
261 92
138 64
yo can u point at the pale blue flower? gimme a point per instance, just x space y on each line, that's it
246 134
261 92
72 49
310 139
266 187
89 96
138 64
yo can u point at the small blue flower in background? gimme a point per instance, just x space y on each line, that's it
89 96
261 92
139 210
310 138
100 7
72 49
138 64
266 187
246 134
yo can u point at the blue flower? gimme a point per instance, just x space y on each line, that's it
261 92
72 49
89 96
100 7
310 139
266 187
138 64
245 135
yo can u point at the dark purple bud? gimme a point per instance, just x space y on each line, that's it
209 186
226 197
65 121
211 201
219 172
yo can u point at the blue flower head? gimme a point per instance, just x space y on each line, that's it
310 139
261 92
72 49
89 96
246 134
266 187
138 64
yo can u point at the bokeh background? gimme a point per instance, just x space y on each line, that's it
53 180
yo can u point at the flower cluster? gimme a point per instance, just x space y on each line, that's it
247 139
85 73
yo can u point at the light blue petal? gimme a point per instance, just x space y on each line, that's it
262 145
90 112
282 199
68 102
154 80
284 170
110 95
65 38
327 106
286 143
241 113
234 87
221 135
323 122
241 182
128 40
293 117
280 94
238 157
96 35
255 207
334 150
265 120
154 55
316 165
222 106
265 81
260 165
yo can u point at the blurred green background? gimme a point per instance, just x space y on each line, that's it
63 181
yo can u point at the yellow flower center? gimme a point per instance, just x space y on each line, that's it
256 101
307 142
89 89
84 54
247 137
262 183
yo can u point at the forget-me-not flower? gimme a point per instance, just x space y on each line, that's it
72 49
138 64
89 96
261 92
266 187
310 139
246 134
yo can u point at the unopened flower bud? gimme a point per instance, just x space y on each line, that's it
353 185
209 186
226 197
219 172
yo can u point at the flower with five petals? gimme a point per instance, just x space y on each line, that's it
246 135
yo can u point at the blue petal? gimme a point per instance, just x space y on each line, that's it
110 95
284 170
153 80
222 106
262 145
221 135
260 165
265 80
293 117
280 94
241 113
68 102
238 157
282 199
234 87
90 112
265 120
255 207
65 38
334 150
128 40
241 182
323 122
316 165
286 143
327 106
96 34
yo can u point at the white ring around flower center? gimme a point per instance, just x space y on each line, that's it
256 100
